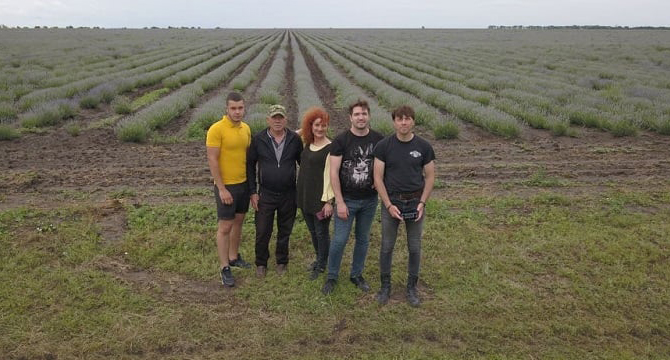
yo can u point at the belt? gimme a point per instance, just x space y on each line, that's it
267 191
406 195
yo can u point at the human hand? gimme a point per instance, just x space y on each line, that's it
342 211
394 212
327 209
226 196
420 209
254 201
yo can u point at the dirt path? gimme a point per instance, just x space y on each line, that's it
289 91
164 286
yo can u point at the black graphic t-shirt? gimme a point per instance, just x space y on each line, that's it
356 178
404 162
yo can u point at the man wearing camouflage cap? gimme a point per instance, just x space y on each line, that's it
271 174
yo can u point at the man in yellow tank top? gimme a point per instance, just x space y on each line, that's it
227 143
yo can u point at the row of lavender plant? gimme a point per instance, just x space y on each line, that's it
211 111
577 104
10 108
346 92
70 90
306 95
492 120
270 88
139 126
534 117
390 97
105 88
17 82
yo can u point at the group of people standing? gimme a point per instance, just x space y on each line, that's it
341 180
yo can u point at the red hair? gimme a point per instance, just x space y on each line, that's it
311 115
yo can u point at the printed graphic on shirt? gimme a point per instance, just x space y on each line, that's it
415 154
358 169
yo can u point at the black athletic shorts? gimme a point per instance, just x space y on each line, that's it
240 205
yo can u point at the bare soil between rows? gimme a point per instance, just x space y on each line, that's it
96 161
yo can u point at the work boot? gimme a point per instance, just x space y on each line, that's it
328 286
315 272
261 271
360 283
281 269
412 296
385 292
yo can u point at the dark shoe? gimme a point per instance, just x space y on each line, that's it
240 263
384 293
328 286
360 283
315 273
227 277
261 271
412 295
281 269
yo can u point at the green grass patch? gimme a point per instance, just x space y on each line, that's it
8 133
148 98
663 127
73 129
447 130
104 123
549 276
134 132
541 179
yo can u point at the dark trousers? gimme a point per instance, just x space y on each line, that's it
318 229
284 204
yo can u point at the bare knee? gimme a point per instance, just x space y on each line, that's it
224 227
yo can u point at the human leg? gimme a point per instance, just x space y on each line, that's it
364 214
414 232
322 228
389 236
342 229
235 240
263 221
240 206
286 209
309 221
223 230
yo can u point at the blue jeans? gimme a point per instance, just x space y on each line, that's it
389 235
363 212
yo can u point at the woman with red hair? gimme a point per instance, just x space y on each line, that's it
315 195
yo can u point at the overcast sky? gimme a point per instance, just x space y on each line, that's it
333 13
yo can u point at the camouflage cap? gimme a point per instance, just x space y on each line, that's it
277 110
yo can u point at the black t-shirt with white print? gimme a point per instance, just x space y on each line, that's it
404 162
356 180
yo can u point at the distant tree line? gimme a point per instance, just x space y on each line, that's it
579 27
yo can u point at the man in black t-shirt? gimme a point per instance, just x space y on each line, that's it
351 176
404 174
